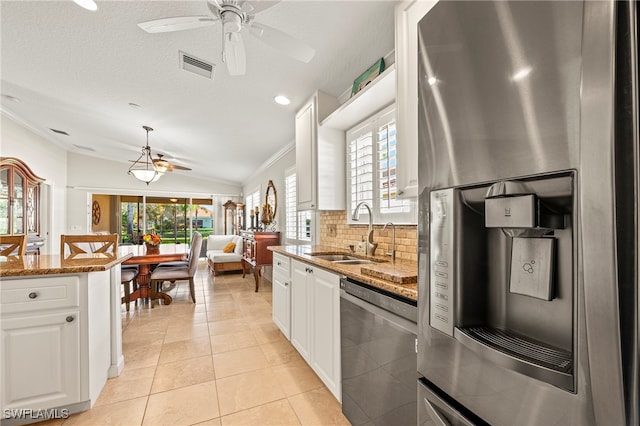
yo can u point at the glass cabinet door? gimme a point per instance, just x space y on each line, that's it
19 198
4 202
18 204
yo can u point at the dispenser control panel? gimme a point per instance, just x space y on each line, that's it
441 258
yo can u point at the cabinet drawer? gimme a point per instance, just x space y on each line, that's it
24 295
281 263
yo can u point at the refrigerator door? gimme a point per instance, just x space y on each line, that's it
522 89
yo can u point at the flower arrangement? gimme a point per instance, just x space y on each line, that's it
152 239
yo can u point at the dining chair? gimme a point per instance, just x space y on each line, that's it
15 245
128 275
181 273
100 243
88 244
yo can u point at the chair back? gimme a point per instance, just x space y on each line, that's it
89 244
194 253
13 245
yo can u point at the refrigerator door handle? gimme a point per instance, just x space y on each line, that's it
437 418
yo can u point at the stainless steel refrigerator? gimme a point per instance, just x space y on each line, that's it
528 225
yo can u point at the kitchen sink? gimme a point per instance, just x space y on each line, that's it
343 259
353 261
335 257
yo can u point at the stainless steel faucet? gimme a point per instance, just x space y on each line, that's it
371 245
393 240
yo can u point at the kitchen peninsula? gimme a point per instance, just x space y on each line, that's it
61 331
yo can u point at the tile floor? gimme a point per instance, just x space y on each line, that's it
221 361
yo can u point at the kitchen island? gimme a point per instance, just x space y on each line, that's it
61 333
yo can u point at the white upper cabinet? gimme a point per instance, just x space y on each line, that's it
319 157
408 14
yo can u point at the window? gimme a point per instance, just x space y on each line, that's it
372 169
251 201
298 224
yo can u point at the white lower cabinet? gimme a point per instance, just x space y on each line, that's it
315 321
55 347
282 294
41 365
300 309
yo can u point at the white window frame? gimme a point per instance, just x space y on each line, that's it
251 201
295 231
371 125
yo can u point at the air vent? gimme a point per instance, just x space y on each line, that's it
197 66
61 132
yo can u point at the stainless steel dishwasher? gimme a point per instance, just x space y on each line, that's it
378 338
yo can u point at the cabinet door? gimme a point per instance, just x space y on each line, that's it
407 15
300 313
41 360
325 330
306 128
282 302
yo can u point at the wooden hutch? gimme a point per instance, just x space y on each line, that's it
20 202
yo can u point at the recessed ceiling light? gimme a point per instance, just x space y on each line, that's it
134 105
282 100
87 4
11 98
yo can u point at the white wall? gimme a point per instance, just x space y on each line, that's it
273 170
47 160
90 175
72 179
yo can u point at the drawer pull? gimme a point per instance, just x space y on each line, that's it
70 318
286 283
33 295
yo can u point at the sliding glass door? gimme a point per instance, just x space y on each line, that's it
174 219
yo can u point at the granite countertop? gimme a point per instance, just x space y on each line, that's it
400 278
45 264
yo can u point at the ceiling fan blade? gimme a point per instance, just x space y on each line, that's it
178 23
257 6
178 167
283 42
215 4
234 54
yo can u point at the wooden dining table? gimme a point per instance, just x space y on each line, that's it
144 260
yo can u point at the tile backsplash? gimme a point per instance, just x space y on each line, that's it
336 233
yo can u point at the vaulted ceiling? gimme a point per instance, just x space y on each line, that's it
69 69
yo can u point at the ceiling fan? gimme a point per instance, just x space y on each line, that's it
163 165
238 18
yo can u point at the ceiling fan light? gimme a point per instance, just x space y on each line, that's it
143 168
161 166
231 22
87 4
145 176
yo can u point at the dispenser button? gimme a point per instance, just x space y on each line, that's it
441 274
442 263
442 296
443 286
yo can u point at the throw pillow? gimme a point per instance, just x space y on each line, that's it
229 248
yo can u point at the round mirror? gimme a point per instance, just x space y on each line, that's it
271 203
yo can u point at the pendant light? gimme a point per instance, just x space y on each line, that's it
143 168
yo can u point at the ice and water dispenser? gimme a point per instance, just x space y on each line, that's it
502 272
